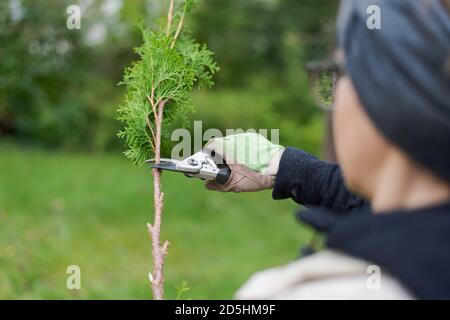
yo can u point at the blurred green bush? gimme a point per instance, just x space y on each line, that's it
233 109
58 87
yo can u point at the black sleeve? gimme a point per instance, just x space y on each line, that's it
312 182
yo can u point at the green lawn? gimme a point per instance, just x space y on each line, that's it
60 209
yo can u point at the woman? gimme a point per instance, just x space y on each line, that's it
386 209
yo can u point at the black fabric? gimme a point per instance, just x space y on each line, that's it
310 181
401 73
411 245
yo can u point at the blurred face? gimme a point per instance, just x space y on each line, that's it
360 148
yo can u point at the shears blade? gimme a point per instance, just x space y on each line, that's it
166 164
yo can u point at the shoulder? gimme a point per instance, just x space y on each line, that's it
324 275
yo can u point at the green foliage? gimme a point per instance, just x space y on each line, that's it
181 290
256 111
55 89
163 73
190 4
249 36
34 61
58 90
324 88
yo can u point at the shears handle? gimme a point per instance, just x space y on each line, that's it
223 175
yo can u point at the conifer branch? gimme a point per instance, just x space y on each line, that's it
173 72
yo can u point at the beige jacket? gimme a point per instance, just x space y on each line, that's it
324 275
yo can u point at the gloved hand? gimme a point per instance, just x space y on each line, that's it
253 161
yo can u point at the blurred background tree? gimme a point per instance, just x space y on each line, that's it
58 86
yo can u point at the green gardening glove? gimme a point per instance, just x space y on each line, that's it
252 158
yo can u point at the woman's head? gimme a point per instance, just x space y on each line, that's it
395 97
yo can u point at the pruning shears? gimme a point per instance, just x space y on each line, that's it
201 165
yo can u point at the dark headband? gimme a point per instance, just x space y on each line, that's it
401 73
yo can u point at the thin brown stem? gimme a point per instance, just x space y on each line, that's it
151 99
177 33
153 135
159 251
159 120
155 234
170 17
152 103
